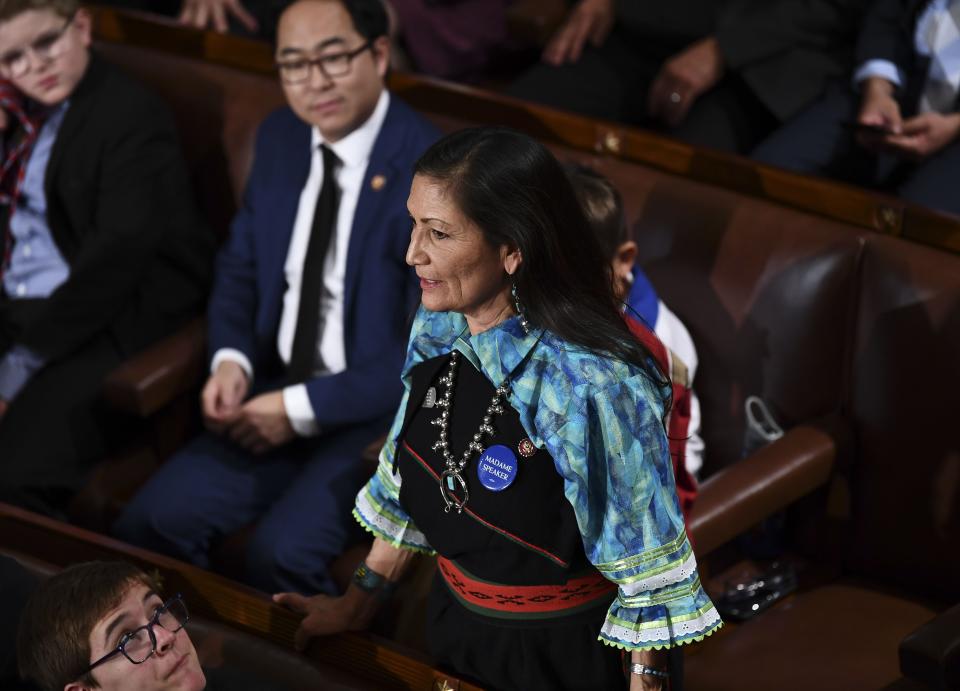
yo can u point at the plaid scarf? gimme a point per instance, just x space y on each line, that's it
23 128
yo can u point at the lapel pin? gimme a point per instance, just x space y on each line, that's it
526 448
377 182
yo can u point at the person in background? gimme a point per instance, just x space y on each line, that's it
452 39
716 74
102 251
250 18
308 316
661 331
529 451
104 626
16 584
896 126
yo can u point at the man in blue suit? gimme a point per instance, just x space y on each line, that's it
308 316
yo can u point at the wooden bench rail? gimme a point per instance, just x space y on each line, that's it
833 200
369 657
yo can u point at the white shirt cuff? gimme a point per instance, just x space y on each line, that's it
232 355
299 411
878 68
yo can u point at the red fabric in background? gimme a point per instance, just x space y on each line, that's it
21 134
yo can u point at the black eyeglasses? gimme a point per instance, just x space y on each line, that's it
46 47
138 645
331 65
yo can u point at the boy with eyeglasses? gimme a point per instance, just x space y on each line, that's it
103 625
308 320
101 249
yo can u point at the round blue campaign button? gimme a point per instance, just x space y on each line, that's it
497 468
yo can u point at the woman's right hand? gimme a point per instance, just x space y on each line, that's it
325 615
352 611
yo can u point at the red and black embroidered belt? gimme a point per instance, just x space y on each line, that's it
525 601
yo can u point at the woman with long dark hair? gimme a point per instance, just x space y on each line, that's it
529 452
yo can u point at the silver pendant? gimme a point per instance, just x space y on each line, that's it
430 399
448 482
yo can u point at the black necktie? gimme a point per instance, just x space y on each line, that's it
304 357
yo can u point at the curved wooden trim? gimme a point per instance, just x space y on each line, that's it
367 656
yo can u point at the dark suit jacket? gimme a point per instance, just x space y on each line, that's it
379 288
16 584
888 34
122 213
785 50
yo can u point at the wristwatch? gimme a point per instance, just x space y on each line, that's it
372 582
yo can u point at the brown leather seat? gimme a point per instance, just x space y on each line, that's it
823 320
840 637
766 293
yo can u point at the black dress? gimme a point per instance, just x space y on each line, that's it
515 603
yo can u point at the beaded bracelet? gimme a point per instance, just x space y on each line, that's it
651 671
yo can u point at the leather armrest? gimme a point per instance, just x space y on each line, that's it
155 376
759 485
931 654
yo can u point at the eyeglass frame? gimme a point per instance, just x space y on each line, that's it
319 61
154 621
43 54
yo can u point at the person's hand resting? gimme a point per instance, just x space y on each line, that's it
924 135
878 108
325 615
202 14
589 20
223 395
683 79
262 424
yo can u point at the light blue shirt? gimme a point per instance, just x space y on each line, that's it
36 266
893 73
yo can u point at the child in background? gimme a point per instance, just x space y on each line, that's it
660 330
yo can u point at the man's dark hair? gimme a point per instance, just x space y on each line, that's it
602 205
369 17
53 641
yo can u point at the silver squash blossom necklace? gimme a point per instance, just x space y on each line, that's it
453 475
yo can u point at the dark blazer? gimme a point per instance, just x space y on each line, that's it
785 50
379 288
888 34
122 213
16 584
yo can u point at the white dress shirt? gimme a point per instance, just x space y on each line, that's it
924 40
353 151
675 336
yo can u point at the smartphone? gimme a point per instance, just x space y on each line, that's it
866 129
